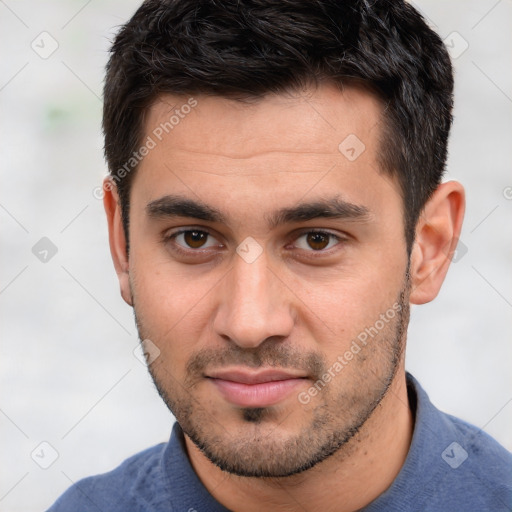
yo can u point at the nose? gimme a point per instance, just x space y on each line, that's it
254 304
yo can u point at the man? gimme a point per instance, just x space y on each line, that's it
274 207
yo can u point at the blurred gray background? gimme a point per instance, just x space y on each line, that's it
75 399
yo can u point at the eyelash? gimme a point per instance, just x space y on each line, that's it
187 252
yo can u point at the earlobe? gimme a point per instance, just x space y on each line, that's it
437 234
117 238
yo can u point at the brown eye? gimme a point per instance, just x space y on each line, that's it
195 239
318 241
192 243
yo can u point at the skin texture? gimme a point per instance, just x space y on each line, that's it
298 305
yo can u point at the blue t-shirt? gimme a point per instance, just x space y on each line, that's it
451 466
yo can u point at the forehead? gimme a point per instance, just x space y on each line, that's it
280 148
316 120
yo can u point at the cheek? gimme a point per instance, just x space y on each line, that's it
173 309
343 310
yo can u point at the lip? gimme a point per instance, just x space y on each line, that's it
255 389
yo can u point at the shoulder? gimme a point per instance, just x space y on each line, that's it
453 465
489 464
473 472
117 489
159 479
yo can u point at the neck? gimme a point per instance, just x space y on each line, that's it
348 480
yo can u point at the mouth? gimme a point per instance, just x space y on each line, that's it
255 389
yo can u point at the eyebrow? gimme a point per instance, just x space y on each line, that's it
177 206
334 208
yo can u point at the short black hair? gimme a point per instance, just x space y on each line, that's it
245 49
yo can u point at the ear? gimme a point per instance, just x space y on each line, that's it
437 234
116 237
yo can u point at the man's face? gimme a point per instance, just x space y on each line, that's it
268 266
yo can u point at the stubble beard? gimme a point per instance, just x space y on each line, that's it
256 447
